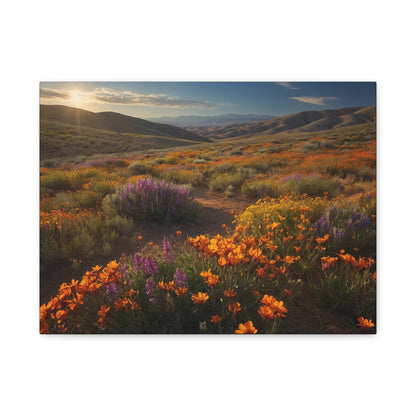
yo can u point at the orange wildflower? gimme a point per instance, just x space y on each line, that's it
135 306
289 259
266 312
212 280
229 294
61 315
181 291
103 310
151 244
261 272
275 305
200 298
279 309
222 261
323 239
215 319
43 312
102 313
234 308
170 286
140 238
328 262
118 304
288 293
179 233
246 328
365 323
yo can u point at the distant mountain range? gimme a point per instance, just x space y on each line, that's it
113 122
197 121
306 121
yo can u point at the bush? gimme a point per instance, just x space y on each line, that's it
183 177
258 188
158 201
139 168
223 181
311 185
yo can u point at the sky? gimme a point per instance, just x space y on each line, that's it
161 99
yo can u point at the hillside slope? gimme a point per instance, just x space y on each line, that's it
114 122
306 121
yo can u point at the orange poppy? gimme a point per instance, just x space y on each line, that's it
234 308
266 312
215 319
200 298
181 291
246 328
365 323
230 294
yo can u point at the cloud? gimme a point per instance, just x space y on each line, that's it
112 96
288 85
314 100
50 93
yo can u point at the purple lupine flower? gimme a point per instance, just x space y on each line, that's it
111 290
150 266
365 222
150 287
180 278
339 234
138 260
125 273
167 251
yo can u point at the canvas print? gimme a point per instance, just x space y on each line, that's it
207 208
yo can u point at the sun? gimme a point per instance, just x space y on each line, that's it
76 96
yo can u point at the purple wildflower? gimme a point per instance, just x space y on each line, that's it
167 251
150 287
138 260
150 266
111 290
180 278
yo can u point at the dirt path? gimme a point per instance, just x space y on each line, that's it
216 210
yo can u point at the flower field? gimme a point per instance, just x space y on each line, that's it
306 240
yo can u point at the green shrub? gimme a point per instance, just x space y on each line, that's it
139 168
222 181
258 188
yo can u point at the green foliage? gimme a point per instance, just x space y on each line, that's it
346 289
139 168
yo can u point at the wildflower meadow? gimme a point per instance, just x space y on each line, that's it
306 236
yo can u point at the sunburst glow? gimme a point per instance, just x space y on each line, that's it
76 96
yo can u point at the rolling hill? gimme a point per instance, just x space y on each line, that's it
306 121
115 122
223 119
70 133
